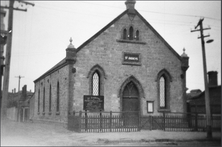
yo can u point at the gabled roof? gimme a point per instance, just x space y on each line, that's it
63 62
59 65
144 20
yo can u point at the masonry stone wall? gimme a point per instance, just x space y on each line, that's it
60 75
106 51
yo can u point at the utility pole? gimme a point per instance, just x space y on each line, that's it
207 99
19 78
8 54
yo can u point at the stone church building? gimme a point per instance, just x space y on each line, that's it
127 62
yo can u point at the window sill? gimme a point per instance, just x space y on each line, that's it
57 113
38 113
50 113
130 41
131 63
43 113
163 110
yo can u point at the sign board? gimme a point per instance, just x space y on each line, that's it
93 103
131 57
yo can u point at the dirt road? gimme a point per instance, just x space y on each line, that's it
43 134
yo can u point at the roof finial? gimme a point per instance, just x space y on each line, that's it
71 45
184 54
130 4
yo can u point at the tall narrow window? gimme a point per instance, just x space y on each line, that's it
50 99
57 102
162 93
43 101
95 84
38 101
124 34
131 33
137 35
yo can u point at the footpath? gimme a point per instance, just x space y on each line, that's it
48 134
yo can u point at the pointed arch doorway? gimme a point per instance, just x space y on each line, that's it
130 102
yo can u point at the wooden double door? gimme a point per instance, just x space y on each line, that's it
130 104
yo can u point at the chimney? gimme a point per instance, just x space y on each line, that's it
212 78
14 90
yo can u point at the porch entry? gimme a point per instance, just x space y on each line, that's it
130 102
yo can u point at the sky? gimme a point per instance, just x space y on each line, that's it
41 35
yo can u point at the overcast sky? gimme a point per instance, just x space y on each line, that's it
41 35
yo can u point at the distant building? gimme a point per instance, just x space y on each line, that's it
18 107
196 103
127 63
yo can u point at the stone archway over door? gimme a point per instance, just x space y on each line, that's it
130 102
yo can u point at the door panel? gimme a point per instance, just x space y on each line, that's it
130 102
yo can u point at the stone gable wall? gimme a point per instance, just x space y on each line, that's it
106 51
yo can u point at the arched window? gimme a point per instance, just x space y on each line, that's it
137 35
96 83
39 101
50 98
43 101
57 100
131 33
162 92
97 78
124 34
164 78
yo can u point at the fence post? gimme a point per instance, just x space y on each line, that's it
151 122
110 121
100 114
86 121
164 117
139 121
80 120
196 123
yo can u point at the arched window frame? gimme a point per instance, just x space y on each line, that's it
137 35
96 73
167 79
50 99
38 101
57 98
102 76
43 105
124 34
131 32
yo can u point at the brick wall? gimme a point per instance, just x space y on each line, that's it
107 52
60 75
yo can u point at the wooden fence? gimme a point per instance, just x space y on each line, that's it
101 122
119 122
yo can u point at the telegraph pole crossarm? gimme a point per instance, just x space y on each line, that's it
19 78
207 98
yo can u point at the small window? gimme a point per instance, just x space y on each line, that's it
150 108
50 98
38 101
43 100
131 33
57 103
137 35
124 34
